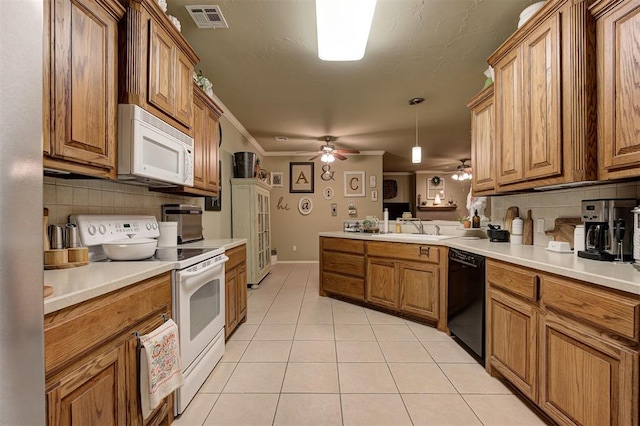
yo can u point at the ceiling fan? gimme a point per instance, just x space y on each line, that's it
328 152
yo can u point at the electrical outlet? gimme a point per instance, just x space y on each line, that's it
334 209
540 225
294 248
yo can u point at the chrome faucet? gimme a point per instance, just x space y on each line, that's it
437 229
419 226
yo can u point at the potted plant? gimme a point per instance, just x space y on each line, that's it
465 221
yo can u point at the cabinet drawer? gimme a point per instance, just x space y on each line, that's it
602 308
514 279
343 263
343 285
236 256
343 244
419 252
71 332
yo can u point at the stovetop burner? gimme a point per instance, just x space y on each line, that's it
174 254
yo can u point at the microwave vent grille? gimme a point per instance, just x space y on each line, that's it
168 129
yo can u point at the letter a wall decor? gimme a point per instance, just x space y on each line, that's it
301 177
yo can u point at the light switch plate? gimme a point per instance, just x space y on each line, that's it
540 225
334 209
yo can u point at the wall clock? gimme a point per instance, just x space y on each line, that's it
328 193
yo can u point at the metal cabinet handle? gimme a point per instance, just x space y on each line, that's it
425 251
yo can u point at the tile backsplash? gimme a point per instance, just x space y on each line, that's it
64 197
549 205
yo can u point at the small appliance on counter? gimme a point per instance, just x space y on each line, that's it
189 219
604 219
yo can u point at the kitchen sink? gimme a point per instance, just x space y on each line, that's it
413 237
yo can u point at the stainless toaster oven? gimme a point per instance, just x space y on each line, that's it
189 220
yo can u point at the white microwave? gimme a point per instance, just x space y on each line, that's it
150 151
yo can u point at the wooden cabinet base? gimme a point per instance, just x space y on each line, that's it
91 356
235 289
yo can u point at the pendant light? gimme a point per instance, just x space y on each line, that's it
416 151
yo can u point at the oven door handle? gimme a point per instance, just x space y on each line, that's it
186 274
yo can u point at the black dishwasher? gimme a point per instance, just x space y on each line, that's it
466 300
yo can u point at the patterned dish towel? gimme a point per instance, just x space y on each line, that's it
160 368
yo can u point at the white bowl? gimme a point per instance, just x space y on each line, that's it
130 249
527 13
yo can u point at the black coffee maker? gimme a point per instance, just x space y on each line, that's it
605 221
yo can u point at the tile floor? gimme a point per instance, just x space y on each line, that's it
302 359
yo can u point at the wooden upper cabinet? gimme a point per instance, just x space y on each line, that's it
541 102
161 78
81 80
206 139
545 99
509 118
618 40
156 65
482 142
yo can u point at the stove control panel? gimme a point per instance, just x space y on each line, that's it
99 229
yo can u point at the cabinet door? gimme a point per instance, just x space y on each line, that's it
382 283
231 301
162 82
242 291
586 379
509 118
419 285
482 144
512 341
212 173
542 127
618 40
183 88
93 393
200 120
84 83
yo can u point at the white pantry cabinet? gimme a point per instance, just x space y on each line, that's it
251 219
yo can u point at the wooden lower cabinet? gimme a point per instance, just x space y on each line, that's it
419 289
512 343
588 379
400 278
342 268
569 346
93 392
235 289
92 359
382 286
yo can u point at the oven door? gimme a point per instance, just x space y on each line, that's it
199 305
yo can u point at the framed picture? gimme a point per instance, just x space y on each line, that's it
301 177
354 184
434 185
276 179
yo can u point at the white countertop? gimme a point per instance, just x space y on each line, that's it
75 285
622 277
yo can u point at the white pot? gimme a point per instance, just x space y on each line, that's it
130 249
527 13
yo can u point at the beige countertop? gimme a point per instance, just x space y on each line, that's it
622 277
75 285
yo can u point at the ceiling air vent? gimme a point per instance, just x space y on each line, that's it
207 16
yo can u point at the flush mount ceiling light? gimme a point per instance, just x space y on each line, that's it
463 172
416 151
343 28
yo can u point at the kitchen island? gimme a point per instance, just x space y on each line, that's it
564 331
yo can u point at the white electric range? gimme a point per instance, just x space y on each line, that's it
198 292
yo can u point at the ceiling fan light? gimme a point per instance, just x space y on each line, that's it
455 177
416 155
327 158
343 28
465 176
